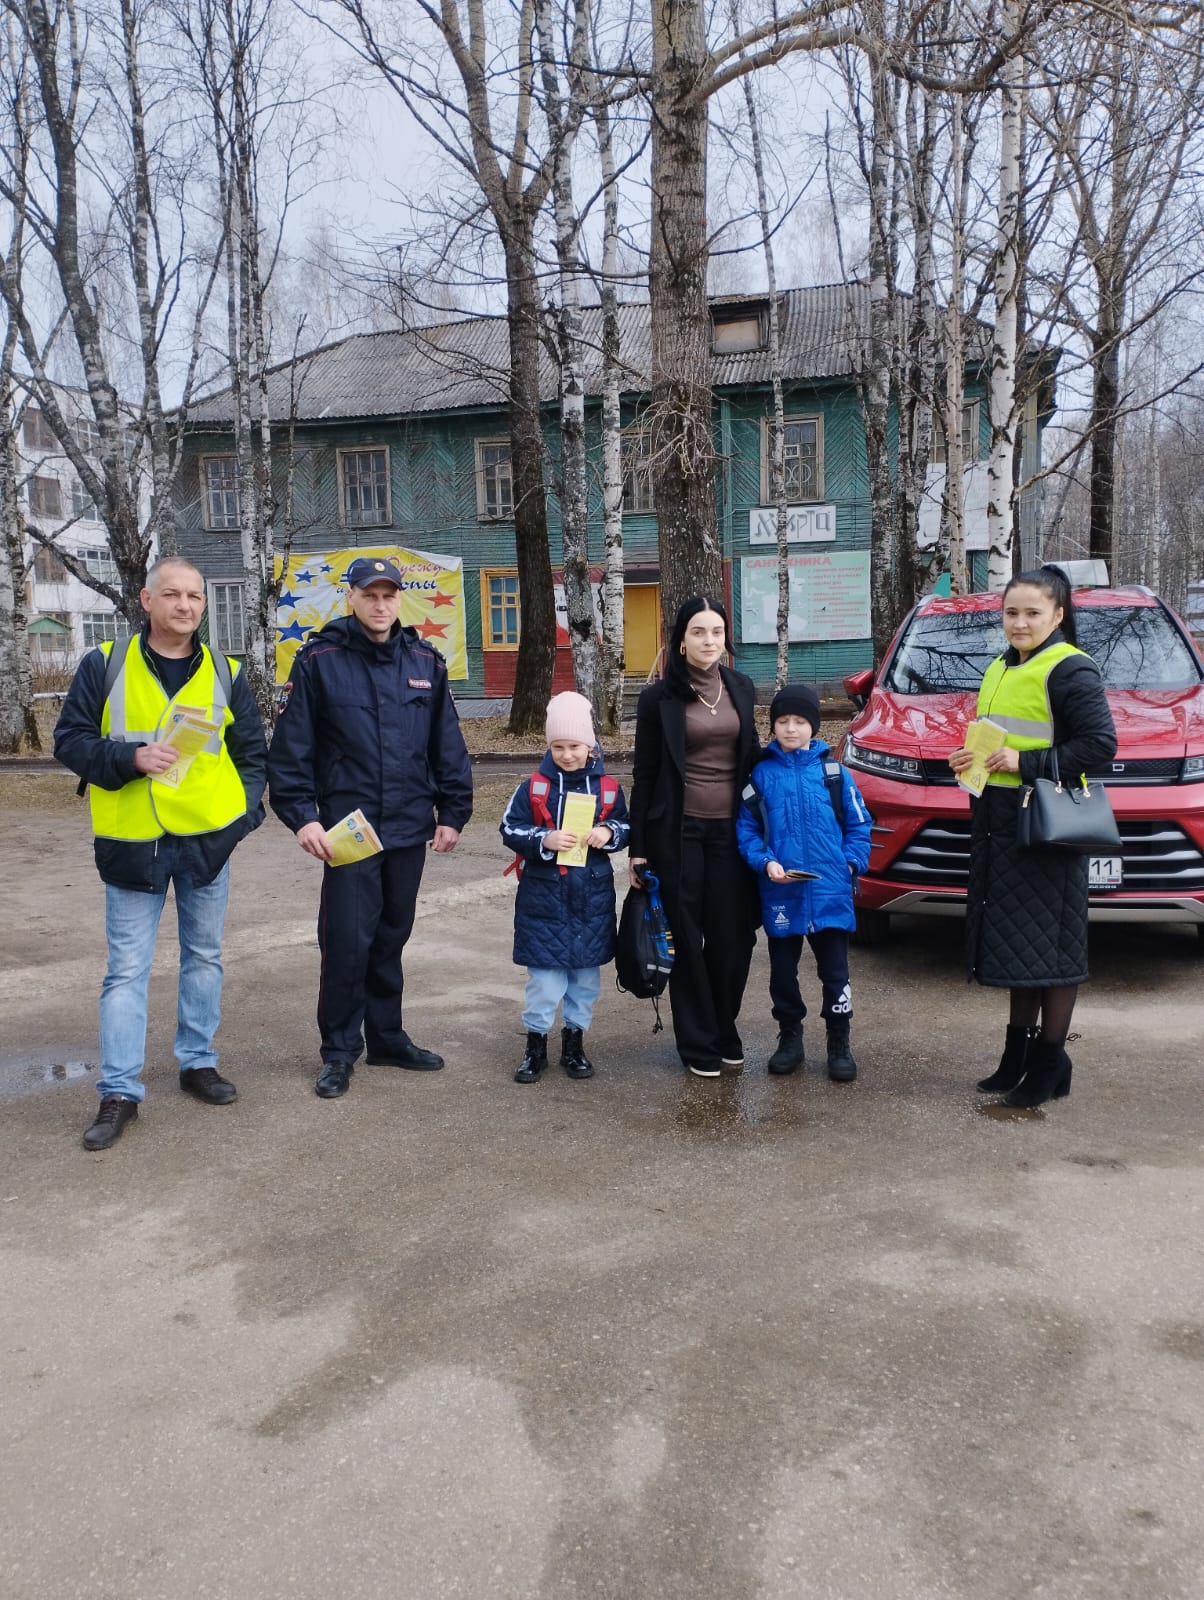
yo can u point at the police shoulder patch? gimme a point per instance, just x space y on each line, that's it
282 697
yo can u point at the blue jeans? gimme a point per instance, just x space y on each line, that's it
131 924
579 988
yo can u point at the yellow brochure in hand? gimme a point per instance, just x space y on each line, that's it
188 733
982 737
352 839
578 818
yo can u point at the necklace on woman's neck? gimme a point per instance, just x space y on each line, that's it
711 705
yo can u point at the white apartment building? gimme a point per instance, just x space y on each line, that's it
66 617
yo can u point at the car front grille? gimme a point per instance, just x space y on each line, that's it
1159 858
1162 770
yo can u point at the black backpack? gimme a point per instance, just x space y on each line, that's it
644 947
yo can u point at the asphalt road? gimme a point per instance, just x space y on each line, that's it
644 1336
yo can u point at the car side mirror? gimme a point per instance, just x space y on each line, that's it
858 685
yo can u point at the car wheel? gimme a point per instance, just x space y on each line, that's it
873 927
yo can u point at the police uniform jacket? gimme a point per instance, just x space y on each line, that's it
108 763
563 920
371 726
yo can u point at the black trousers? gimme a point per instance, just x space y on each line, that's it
713 941
830 946
364 920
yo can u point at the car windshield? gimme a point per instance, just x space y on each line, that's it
1137 647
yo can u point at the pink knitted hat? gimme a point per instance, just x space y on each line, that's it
570 716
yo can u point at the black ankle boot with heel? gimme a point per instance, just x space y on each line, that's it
1047 1078
1013 1063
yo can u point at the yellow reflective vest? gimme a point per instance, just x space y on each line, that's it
210 795
1017 698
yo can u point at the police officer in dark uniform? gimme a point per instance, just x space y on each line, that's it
367 721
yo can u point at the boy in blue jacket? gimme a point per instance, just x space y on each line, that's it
805 831
564 916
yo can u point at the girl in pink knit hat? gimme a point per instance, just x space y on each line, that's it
564 914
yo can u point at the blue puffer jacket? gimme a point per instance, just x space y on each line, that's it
804 834
563 920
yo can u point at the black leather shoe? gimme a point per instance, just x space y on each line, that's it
572 1054
412 1057
110 1122
334 1080
207 1084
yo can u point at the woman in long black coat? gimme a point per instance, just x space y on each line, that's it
695 746
1026 910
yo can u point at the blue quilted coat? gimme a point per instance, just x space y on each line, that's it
563 920
804 834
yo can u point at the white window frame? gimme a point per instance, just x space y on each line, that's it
99 562
83 507
228 516
971 435
87 435
635 452
227 606
503 508
99 627
795 419
359 519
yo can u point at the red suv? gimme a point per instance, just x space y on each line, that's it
912 714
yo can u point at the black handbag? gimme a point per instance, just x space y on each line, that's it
1057 816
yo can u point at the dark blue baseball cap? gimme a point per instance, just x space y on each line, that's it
372 569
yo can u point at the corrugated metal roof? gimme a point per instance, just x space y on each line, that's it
465 364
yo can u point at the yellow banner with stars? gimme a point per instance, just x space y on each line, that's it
314 592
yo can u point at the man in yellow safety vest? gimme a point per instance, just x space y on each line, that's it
163 812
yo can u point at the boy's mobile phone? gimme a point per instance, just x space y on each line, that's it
794 875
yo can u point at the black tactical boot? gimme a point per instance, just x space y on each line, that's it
1013 1062
841 1066
788 1056
572 1054
535 1060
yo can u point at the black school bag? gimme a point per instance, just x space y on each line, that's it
644 947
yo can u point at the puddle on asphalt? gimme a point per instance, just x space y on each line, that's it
996 1111
735 1106
29 1071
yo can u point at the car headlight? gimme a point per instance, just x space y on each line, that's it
905 769
1193 770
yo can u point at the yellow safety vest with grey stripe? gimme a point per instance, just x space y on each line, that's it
210 795
1017 698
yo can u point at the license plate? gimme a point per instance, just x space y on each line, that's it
1105 872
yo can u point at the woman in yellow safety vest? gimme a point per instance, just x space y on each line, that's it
1026 911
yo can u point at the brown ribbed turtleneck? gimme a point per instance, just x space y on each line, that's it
712 747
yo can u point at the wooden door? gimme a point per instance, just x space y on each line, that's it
641 627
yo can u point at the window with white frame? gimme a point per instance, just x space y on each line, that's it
101 626
87 436
45 497
99 563
35 430
226 625
495 482
804 459
970 435
636 452
219 491
364 488
82 507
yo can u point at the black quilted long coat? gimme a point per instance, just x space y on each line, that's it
1026 910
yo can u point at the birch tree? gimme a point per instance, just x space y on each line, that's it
104 153
613 645
1002 390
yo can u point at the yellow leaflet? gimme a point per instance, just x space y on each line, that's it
982 737
352 839
188 733
578 818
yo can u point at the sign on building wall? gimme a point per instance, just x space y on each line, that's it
829 597
314 592
804 524
975 485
